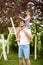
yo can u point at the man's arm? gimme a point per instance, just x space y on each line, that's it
17 34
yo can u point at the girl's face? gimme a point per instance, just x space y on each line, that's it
27 13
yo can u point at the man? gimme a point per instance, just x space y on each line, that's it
24 36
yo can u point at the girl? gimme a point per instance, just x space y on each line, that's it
27 18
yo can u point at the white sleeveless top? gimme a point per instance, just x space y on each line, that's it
23 38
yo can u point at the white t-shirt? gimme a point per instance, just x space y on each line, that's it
23 38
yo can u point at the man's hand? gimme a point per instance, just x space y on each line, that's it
24 30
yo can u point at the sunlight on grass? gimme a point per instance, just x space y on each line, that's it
13 60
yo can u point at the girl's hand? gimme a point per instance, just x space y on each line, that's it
19 16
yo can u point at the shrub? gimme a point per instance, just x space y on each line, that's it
13 46
5 34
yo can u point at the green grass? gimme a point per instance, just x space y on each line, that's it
13 60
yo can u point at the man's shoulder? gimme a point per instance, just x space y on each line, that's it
28 30
17 28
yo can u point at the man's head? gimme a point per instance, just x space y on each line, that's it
22 24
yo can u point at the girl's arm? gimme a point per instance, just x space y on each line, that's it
22 18
26 18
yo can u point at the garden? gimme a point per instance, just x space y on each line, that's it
9 22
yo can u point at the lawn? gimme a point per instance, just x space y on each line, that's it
13 60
